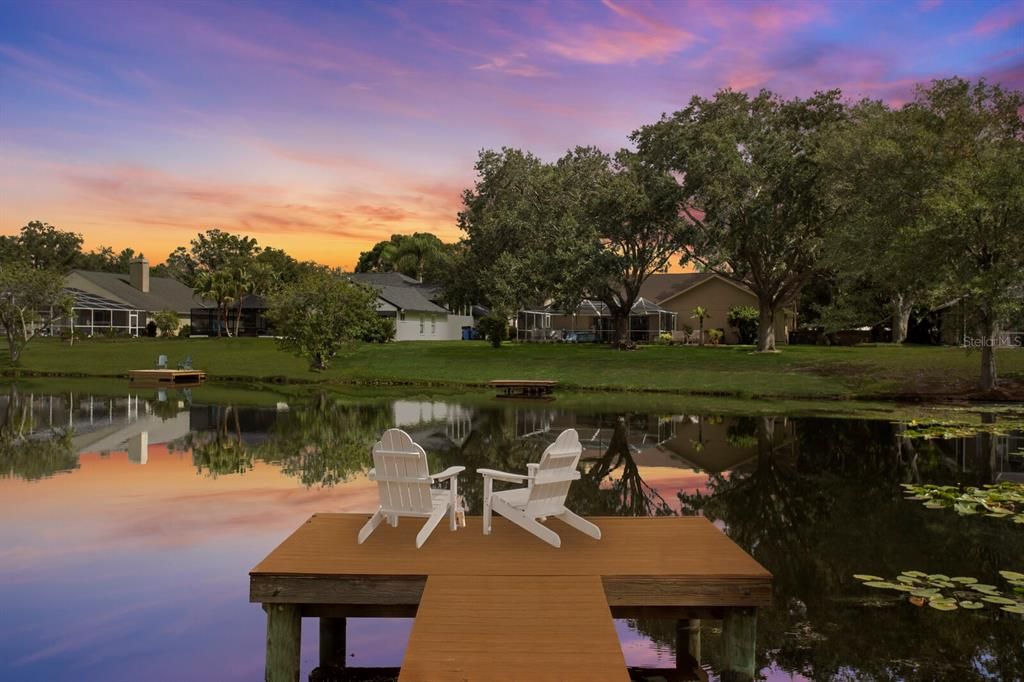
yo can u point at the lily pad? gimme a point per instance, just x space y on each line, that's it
964 580
971 605
943 605
996 599
1012 575
865 576
1018 608
882 584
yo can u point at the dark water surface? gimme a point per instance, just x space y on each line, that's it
129 524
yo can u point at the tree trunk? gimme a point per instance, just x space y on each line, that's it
765 327
901 306
238 317
700 338
989 338
622 329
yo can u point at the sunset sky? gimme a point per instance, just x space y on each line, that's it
321 128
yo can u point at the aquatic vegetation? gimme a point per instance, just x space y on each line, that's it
944 593
946 429
999 501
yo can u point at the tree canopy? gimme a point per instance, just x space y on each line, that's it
753 188
322 313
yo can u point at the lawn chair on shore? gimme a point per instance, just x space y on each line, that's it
186 363
547 485
403 484
161 362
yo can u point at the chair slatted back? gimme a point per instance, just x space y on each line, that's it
403 480
555 474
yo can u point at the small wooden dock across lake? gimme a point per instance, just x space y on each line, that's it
507 606
167 377
525 388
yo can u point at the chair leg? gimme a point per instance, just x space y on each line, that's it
453 503
374 521
488 487
581 524
430 525
525 522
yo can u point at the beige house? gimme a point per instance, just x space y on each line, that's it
682 292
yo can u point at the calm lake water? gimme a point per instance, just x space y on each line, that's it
130 523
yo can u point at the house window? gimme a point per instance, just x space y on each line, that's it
401 316
422 323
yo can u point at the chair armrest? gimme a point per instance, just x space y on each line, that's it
372 474
531 469
502 475
447 473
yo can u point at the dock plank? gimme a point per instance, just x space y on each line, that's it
643 562
471 627
653 546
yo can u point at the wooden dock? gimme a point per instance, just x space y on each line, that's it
525 388
167 377
507 606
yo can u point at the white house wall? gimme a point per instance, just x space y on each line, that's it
431 327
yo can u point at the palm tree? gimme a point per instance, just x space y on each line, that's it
217 286
700 313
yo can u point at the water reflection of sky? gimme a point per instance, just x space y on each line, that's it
134 565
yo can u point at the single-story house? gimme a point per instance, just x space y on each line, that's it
591 321
681 292
111 302
666 304
253 321
417 309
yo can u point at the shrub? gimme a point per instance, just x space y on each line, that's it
494 328
744 318
185 331
664 338
715 336
321 313
166 322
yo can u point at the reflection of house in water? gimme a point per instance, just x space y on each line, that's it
107 424
419 417
711 444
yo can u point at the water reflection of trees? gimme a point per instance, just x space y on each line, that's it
28 454
324 440
220 450
321 441
822 502
612 485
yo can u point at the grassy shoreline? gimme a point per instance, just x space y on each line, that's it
872 373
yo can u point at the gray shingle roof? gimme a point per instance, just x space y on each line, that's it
165 293
408 298
660 286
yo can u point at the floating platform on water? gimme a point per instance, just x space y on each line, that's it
525 388
506 605
167 377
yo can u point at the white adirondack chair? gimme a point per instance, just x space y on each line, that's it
547 484
403 483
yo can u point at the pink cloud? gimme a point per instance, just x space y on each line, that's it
649 38
1000 19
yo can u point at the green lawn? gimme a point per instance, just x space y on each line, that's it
797 372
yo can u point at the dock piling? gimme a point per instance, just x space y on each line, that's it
284 637
739 635
332 642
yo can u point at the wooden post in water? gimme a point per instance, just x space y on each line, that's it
687 643
739 636
284 638
332 642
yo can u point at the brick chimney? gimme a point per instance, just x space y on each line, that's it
138 274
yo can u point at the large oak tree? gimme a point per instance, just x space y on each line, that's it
753 188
